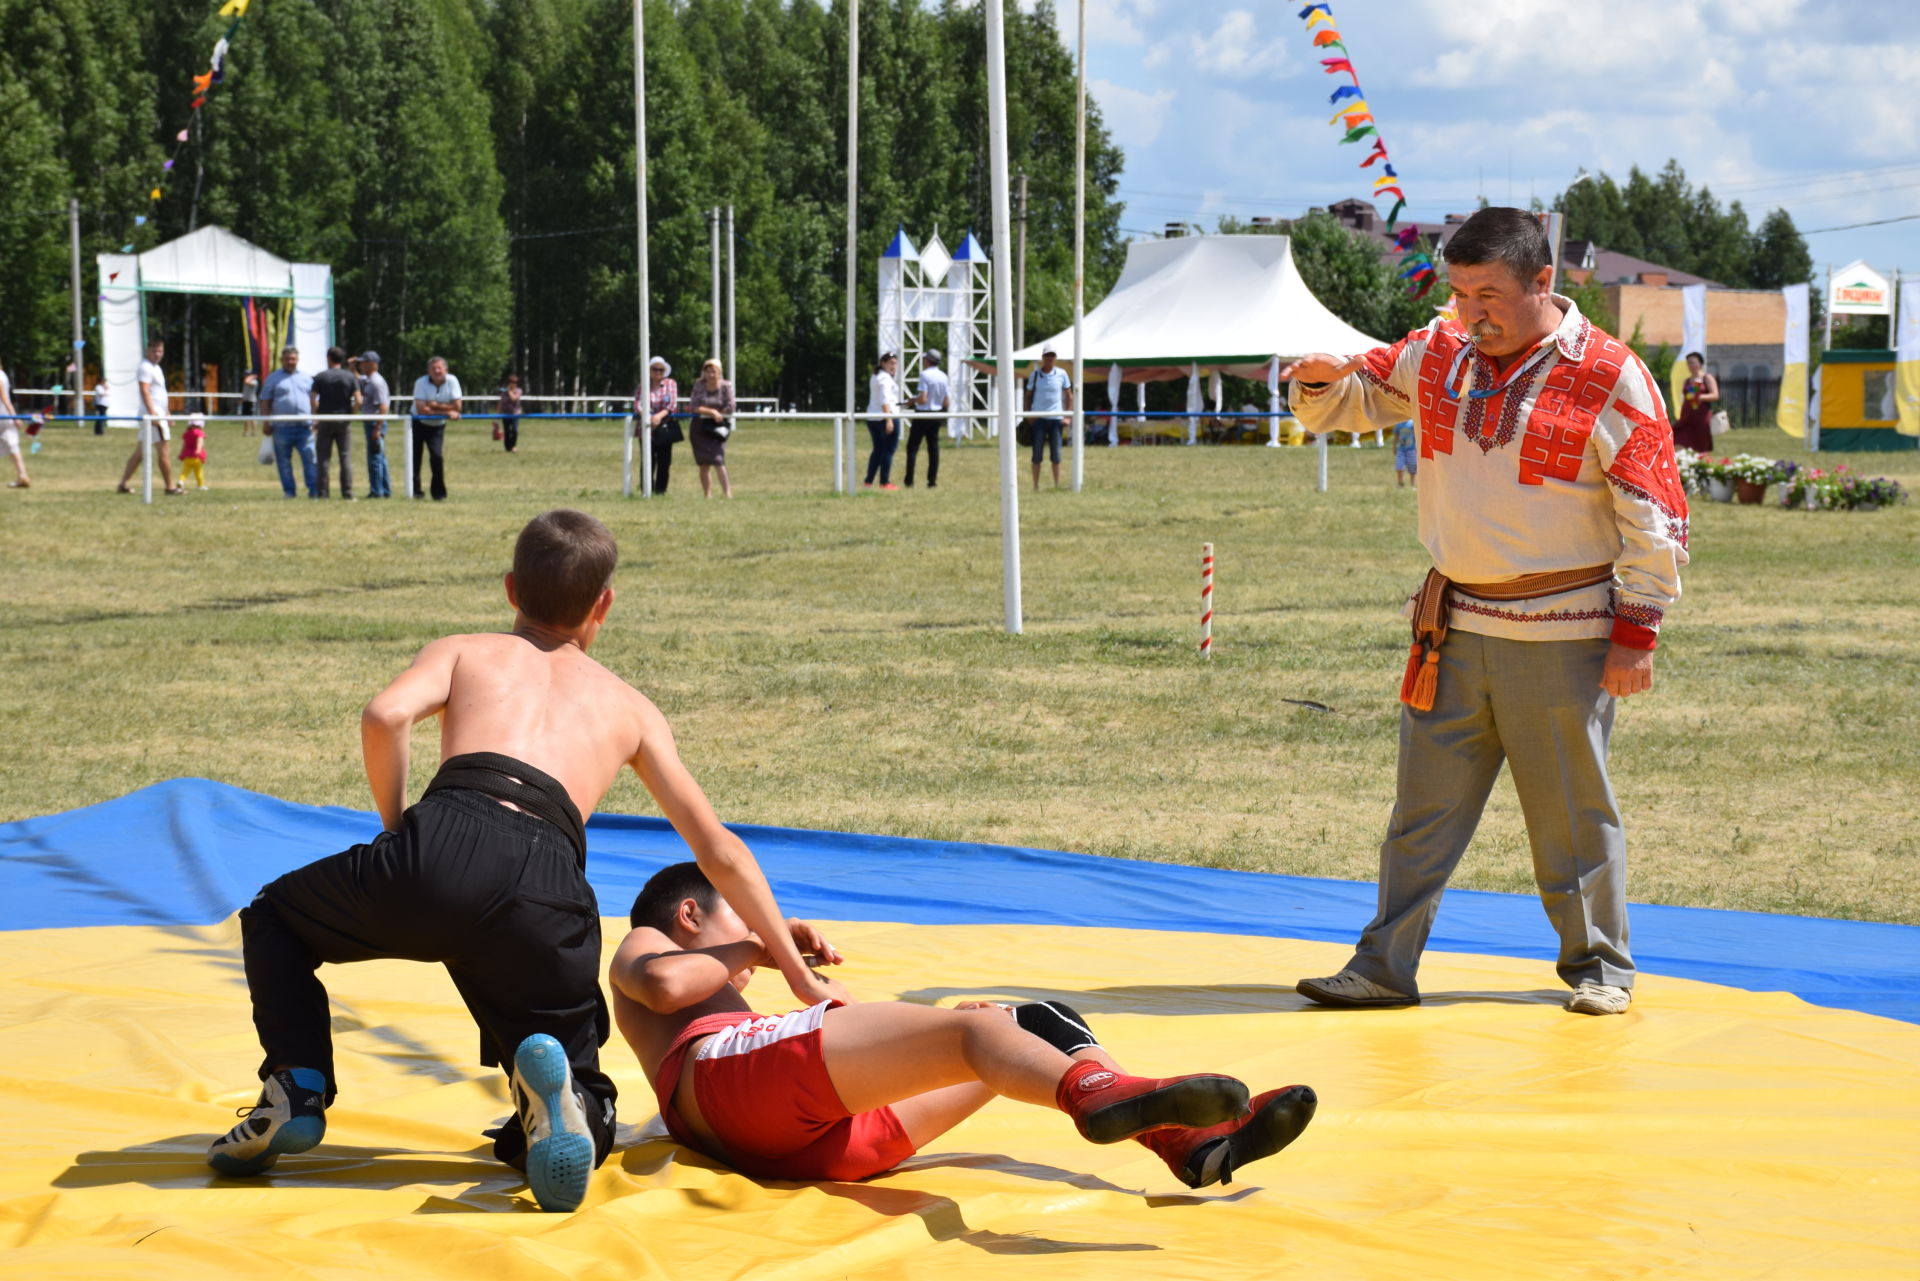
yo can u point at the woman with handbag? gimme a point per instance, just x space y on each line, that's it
655 409
711 401
1693 429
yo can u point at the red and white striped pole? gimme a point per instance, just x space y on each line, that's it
1206 600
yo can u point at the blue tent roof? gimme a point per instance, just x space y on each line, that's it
901 247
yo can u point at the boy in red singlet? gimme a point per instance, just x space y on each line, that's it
837 1091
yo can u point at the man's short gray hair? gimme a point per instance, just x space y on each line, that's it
441 359
1511 237
289 348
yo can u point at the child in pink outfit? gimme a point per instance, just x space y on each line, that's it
193 452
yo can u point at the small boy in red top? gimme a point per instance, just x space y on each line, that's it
193 452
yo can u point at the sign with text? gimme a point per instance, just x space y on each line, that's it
1859 290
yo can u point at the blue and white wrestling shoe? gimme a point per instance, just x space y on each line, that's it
290 1117
559 1145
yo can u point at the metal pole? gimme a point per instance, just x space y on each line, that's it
408 445
1826 343
1080 259
79 334
838 443
732 299
1020 296
146 455
626 465
640 205
1002 306
713 274
853 453
853 216
1322 486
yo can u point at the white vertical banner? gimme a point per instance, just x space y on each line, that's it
1217 389
1693 336
121 342
1273 404
1113 402
1906 357
1791 415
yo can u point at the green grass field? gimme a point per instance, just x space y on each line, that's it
839 662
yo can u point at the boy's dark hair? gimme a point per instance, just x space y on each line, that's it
562 561
336 355
1510 237
666 890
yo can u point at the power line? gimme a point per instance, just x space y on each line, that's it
1881 222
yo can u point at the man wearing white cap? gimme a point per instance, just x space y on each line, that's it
936 397
1050 395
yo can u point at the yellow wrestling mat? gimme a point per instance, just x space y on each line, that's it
1488 1134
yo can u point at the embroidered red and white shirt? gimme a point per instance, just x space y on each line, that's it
1569 464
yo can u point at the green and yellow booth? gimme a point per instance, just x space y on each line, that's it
1857 409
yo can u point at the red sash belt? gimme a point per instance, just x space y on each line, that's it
1431 613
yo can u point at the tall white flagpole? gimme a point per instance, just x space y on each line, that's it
640 245
1080 262
853 222
1006 384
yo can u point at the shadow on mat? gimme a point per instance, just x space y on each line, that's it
181 1162
1197 998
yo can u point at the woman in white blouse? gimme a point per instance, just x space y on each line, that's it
883 422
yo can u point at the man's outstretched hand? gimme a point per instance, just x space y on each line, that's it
1318 367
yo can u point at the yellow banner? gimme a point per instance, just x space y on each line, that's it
1906 391
1791 417
1677 385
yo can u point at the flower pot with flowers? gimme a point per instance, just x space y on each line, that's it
1718 480
1881 491
1751 474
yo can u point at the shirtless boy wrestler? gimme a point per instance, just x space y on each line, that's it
836 1091
485 874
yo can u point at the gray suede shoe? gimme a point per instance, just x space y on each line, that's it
1599 998
1351 991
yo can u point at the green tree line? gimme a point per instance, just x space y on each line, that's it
467 167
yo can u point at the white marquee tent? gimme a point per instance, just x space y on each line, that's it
211 260
1226 303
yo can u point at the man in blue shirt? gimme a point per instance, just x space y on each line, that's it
936 397
436 401
288 391
1050 394
1406 455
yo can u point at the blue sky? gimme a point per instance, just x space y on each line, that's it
1221 107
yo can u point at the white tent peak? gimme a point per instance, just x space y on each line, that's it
214 260
1232 303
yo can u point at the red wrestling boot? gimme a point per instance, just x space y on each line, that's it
1200 1158
1108 1106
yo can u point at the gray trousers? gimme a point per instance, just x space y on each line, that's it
328 437
1538 706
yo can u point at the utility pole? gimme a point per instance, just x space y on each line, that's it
79 334
853 215
1020 255
713 273
640 246
732 299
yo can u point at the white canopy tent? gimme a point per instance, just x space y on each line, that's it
211 260
1226 303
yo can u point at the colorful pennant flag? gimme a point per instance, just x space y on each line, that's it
1416 265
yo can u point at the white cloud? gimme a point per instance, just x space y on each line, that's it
1234 51
1132 117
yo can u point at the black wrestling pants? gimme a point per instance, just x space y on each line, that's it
497 896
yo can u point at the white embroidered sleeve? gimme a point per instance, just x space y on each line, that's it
1634 445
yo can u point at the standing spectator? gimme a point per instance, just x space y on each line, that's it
1406 455
336 391
288 391
1693 429
662 398
1049 394
249 401
711 400
436 401
100 405
936 397
374 399
193 452
151 383
10 434
510 412
883 416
